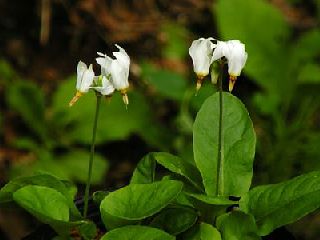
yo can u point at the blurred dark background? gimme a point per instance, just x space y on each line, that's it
42 41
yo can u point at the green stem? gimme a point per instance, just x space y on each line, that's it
94 131
219 161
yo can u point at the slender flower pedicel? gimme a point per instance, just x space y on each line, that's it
234 52
85 78
201 54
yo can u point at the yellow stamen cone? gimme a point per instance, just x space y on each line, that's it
199 82
232 81
75 98
125 98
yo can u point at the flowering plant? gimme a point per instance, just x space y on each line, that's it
208 198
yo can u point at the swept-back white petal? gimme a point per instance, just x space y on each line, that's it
119 69
86 80
201 53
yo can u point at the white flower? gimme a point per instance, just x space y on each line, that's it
201 54
119 69
84 77
116 71
235 53
106 87
104 61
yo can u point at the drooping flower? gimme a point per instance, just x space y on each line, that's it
201 53
85 78
106 88
116 70
234 52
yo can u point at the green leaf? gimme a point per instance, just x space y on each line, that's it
310 73
175 220
88 231
98 196
237 226
238 146
76 165
45 180
276 205
145 170
203 231
212 200
138 201
137 233
7 73
168 83
27 99
181 167
208 232
47 203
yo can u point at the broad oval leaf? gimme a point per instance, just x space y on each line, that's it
138 201
43 202
175 220
202 231
46 180
237 226
183 168
238 146
276 205
137 233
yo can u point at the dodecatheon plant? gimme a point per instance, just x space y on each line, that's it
201 51
236 55
85 78
116 70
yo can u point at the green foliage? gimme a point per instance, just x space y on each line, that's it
43 202
237 149
203 231
280 204
167 83
138 201
175 220
137 233
286 70
28 101
175 41
237 226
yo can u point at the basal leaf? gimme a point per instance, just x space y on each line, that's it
202 231
276 205
45 202
137 233
175 220
138 201
181 167
238 146
237 226
45 180
145 170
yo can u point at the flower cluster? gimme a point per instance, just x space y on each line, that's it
204 53
114 76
